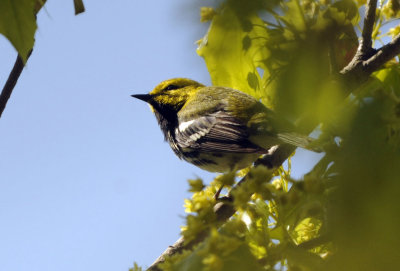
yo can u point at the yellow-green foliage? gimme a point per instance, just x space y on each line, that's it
18 22
344 213
135 267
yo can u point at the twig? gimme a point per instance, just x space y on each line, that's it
18 67
177 247
358 71
365 49
11 81
223 210
369 21
383 55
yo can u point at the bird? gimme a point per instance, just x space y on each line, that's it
218 129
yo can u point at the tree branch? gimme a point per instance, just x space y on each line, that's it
358 71
369 21
11 82
383 55
365 49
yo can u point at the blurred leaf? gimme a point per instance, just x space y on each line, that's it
232 47
294 16
135 267
301 259
242 259
390 78
328 101
206 256
277 233
206 14
79 7
18 24
306 230
349 7
363 211
39 4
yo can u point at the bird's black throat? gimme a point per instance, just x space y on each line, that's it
168 121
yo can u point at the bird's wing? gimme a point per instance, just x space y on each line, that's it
215 132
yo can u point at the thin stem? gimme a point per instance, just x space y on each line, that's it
11 82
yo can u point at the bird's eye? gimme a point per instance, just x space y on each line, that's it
171 87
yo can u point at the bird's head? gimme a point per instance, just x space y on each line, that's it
170 94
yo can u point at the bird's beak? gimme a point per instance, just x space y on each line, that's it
143 97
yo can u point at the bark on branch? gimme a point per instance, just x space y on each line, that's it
369 21
359 70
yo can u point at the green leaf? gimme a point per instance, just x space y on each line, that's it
79 7
135 267
306 230
294 16
350 8
18 24
233 48
389 77
302 259
277 233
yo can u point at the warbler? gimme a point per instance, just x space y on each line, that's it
218 129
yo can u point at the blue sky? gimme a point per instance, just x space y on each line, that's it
87 182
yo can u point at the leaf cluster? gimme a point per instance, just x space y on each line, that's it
18 22
343 214
18 25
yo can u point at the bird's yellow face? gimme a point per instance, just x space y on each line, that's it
174 93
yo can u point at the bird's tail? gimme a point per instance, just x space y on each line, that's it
299 140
